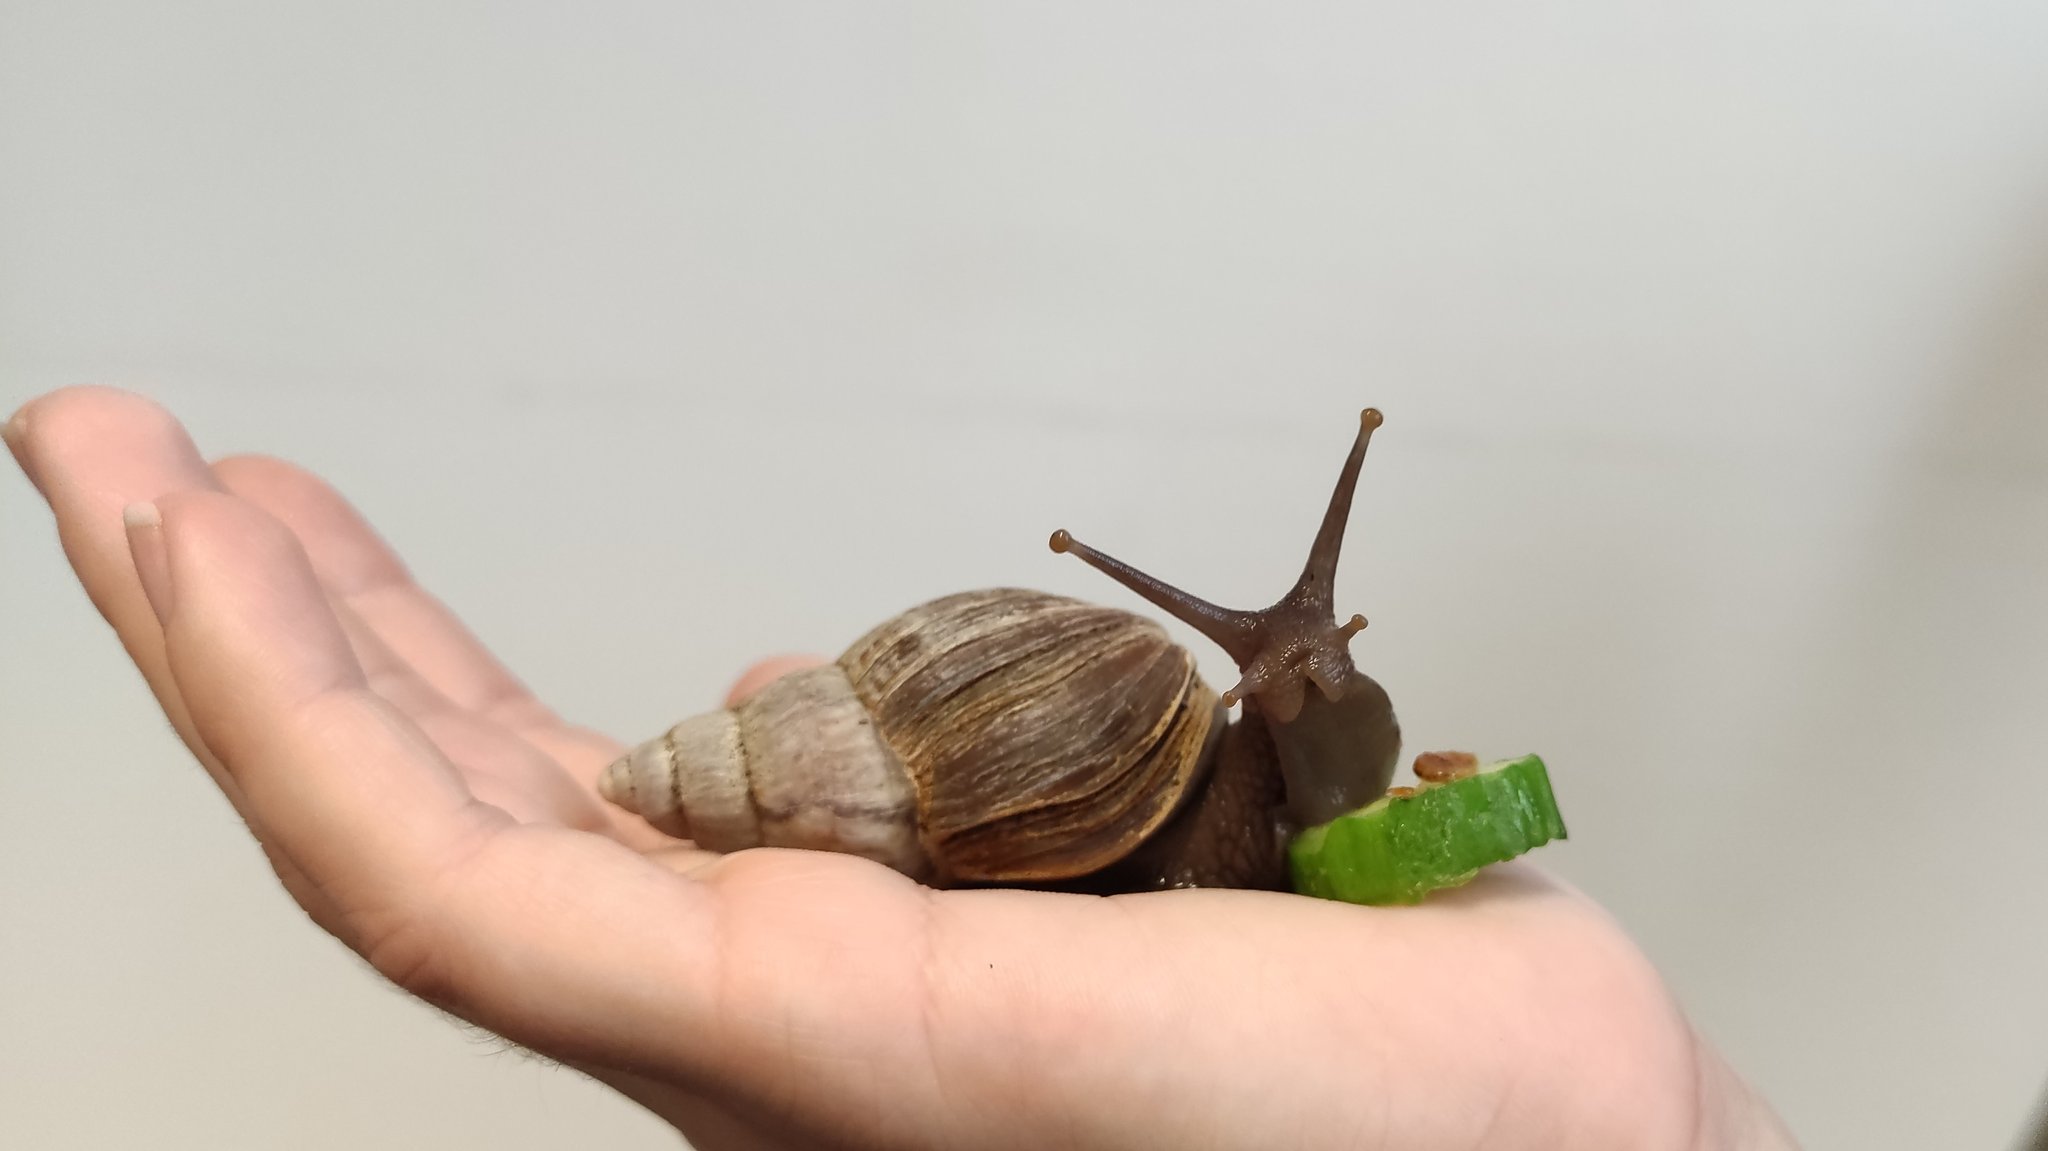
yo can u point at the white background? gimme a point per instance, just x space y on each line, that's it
1713 342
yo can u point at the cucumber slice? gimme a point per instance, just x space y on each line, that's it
1399 848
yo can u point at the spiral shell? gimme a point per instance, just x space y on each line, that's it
1002 735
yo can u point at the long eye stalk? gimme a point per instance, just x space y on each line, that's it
1236 632
1319 575
1284 648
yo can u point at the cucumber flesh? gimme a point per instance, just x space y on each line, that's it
1399 848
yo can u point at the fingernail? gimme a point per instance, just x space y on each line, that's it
146 545
15 432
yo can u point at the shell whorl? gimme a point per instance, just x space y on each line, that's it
996 735
797 764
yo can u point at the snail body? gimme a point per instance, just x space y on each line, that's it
1009 736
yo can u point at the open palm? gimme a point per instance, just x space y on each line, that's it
425 809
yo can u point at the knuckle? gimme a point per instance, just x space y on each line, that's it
245 469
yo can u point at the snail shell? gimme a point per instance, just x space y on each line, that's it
1011 736
1002 735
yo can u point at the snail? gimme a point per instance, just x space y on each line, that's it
1009 737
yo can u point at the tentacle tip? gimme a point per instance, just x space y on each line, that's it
1371 418
1352 626
1231 698
1061 541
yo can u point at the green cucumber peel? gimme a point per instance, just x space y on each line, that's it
1398 849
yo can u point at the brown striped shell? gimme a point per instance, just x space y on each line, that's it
1002 735
1013 736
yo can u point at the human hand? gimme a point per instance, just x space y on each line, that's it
427 811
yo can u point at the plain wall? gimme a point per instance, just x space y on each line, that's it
1713 342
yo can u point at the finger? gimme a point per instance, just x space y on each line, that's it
544 935
498 766
414 648
362 571
92 452
417 653
351 791
766 672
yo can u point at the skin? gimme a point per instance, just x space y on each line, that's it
427 811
